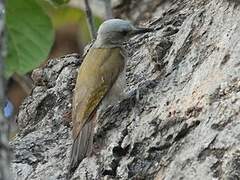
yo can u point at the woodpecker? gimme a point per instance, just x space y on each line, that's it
100 83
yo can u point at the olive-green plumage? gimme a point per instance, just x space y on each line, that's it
96 75
100 82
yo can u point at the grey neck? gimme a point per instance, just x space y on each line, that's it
101 43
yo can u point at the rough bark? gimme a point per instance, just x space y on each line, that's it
181 120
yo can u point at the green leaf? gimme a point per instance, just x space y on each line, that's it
29 36
64 15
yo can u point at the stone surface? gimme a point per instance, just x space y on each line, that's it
181 119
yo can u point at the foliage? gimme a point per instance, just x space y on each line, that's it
64 15
30 28
59 2
29 35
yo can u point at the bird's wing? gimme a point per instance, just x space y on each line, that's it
96 76
97 73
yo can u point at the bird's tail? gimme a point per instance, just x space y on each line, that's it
82 146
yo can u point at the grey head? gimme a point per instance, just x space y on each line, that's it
114 32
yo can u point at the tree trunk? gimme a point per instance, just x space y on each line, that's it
181 120
4 147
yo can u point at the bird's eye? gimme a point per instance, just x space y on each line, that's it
124 33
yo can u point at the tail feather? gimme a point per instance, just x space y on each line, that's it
82 146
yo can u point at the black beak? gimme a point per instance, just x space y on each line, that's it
140 31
